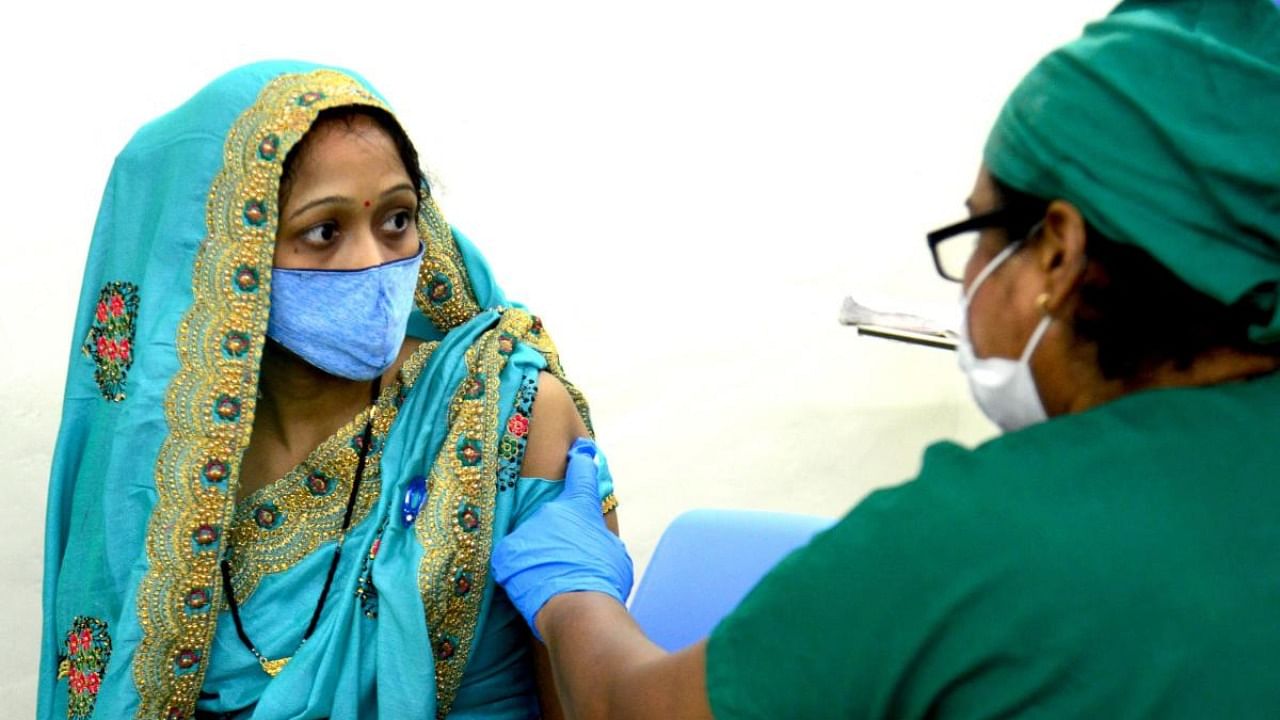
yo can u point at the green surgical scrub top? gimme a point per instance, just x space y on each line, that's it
1121 562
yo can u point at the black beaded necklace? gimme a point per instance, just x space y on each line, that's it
273 667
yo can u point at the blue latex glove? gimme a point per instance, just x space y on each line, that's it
565 546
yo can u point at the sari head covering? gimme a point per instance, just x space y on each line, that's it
159 405
1161 124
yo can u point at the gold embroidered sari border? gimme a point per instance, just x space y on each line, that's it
210 402
457 534
282 523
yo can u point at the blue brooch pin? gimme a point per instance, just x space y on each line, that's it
414 496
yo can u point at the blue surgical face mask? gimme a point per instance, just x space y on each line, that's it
348 323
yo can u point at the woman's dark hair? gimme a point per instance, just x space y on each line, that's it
1139 314
347 114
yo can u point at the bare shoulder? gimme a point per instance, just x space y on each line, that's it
554 424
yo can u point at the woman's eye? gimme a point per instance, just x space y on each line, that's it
398 222
321 234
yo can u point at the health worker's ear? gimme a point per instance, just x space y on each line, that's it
1059 251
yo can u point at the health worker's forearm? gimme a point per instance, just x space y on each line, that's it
606 669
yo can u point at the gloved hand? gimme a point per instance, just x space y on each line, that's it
564 546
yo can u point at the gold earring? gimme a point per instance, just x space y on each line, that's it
1042 302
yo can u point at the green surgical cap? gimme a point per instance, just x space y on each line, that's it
1162 125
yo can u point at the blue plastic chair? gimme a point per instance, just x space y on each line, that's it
705 563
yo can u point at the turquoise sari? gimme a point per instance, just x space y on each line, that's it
158 410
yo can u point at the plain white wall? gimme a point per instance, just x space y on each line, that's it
683 190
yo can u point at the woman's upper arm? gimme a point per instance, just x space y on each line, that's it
554 423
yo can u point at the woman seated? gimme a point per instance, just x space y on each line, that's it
298 415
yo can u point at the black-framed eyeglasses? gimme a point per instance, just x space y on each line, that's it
953 245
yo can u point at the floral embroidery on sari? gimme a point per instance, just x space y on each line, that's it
515 439
87 650
110 340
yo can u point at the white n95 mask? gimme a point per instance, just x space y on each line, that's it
1004 389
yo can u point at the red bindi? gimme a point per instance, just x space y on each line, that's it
366 203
